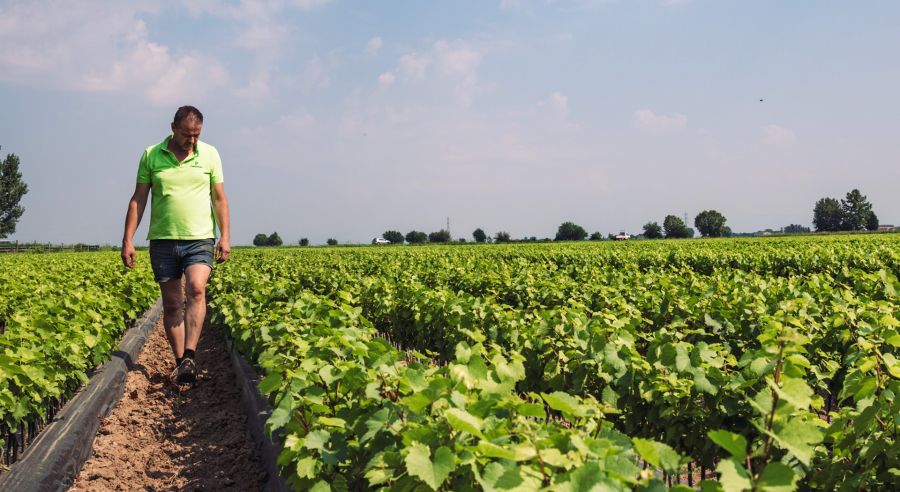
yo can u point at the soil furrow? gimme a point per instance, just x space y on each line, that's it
164 437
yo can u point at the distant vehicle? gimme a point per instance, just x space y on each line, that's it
622 236
380 240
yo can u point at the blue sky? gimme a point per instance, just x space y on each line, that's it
345 119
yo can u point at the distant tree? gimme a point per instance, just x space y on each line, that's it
12 187
795 229
570 231
827 215
304 242
441 236
501 237
461 240
652 230
274 240
872 222
726 232
479 235
856 210
710 223
675 228
596 236
331 242
260 240
395 237
416 237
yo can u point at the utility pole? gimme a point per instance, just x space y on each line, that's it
448 226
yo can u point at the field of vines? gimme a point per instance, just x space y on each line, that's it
61 315
757 364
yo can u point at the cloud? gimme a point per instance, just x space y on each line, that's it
374 46
387 78
99 48
778 135
309 4
412 66
461 61
557 101
646 119
454 62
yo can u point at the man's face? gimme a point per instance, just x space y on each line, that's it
186 134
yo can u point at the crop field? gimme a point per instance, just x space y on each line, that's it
740 364
60 316
724 364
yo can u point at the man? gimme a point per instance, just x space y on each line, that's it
185 176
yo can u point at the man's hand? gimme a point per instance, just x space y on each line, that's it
128 255
223 249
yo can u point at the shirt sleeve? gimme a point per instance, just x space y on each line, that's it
215 175
143 174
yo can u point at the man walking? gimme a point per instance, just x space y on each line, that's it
185 176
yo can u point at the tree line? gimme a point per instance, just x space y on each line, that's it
852 213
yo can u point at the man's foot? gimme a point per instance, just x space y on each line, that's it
186 372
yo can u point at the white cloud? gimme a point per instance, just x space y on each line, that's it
387 78
99 48
374 46
310 4
460 60
646 119
557 101
412 66
778 135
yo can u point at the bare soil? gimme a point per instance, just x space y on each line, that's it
162 436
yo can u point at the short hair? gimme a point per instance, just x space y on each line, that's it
187 112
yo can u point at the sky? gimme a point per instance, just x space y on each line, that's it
344 119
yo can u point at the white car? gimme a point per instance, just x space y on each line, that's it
380 240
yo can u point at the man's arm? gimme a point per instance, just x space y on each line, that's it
132 219
220 207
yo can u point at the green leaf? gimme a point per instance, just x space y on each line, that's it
320 486
794 391
270 384
564 403
682 358
591 478
463 421
701 383
332 422
419 464
733 476
777 477
492 450
735 444
658 454
532 410
306 467
316 440
282 414
799 438
509 477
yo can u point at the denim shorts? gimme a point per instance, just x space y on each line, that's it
170 257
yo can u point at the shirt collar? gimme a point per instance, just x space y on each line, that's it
165 147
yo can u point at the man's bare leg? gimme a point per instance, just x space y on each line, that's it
173 314
196 276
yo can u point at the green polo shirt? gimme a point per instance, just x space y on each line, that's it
181 204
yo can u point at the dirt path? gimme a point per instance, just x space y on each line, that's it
162 437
